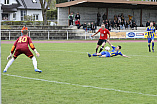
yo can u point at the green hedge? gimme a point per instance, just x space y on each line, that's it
24 22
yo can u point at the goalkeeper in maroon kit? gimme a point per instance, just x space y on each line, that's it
21 46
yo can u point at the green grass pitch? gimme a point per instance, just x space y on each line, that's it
70 77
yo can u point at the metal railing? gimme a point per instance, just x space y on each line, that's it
47 33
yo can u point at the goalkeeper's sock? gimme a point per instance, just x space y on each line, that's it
96 50
149 48
153 46
101 49
94 54
34 62
9 63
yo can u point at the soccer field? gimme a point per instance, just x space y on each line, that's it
70 77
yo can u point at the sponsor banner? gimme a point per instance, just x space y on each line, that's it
118 34
135 34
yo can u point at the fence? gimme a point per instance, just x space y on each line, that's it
44 34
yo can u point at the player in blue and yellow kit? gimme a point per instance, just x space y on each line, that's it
115 51
151 32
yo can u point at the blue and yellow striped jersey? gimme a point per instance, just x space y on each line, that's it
114 52
151 31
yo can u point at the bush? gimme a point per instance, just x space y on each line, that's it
24 23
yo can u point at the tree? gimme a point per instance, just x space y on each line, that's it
45 4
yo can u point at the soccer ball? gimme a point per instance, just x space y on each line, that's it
107 48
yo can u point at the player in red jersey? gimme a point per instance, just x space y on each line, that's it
21 46
103 37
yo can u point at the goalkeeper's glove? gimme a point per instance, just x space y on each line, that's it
10 56
37 54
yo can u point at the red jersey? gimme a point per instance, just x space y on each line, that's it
22 43
103 33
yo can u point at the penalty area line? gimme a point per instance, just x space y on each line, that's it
85 86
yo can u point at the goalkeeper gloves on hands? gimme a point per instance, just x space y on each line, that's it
10 56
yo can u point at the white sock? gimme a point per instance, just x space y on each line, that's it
34 62
9 63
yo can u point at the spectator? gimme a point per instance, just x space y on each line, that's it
115 18
104 17
77 16
71 16
85 26
154 23
130 23
89 27
122 17
110 24
98 19
107 26
103 21
128 26
106 21
119 25
122 23
147 24
130 17
119 18
114 24
92 27
77 23
134 25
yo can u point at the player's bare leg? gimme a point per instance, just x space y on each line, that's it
102 47
109 42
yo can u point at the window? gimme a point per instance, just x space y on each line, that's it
6 1
14 16
23 14
36 17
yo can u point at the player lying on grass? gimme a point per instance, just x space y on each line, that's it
21 46
115 51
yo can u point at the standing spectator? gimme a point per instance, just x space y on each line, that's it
134 25
85 26
71 17
130 17
115 18
103 21
122 17
104 17
77 23
128 26
98 19
77 16
92 27
147 24
24 28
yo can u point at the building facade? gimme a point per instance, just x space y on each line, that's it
17 10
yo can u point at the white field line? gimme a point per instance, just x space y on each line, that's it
87 52
86 86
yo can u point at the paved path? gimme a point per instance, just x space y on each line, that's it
76 41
